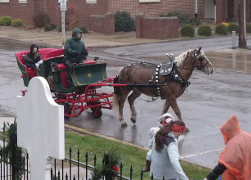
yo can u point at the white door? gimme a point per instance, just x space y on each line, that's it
209 9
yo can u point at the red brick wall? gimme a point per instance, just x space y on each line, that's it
155 9
103 24
221 11
25 11
157 27
18 10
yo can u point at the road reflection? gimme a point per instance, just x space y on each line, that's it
229 59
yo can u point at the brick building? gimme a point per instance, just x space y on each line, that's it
216 10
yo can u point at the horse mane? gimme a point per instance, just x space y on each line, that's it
180 59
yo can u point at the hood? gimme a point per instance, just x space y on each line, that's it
164 116
75 33
32 47
230 128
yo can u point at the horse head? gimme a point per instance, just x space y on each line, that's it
201 61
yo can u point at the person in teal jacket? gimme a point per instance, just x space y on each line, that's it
165 154
75 52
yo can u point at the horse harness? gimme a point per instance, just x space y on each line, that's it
163 69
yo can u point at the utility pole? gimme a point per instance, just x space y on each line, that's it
63 8
242 24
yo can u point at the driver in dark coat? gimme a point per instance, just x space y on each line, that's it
75 52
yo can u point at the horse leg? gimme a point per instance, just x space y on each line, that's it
131 100
166 106
121 103
173 103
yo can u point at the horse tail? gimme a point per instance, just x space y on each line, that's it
115 95
115 103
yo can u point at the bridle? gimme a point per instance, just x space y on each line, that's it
197 60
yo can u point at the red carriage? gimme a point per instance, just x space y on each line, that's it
87 78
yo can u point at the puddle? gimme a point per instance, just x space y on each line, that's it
231 59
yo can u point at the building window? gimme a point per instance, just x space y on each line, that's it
4 1
91 1
22 1
149 1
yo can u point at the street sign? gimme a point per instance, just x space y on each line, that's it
63 6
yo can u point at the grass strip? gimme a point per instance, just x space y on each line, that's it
132 155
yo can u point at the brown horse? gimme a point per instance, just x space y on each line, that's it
168 87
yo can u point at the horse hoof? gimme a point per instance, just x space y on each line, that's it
123 124
133 120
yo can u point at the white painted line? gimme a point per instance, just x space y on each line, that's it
191 155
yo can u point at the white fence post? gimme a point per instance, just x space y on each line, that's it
40 128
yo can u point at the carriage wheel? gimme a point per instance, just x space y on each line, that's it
97 112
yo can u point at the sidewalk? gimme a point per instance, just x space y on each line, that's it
55 39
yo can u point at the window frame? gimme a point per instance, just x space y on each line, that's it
4 1
91 1
22 1
149 1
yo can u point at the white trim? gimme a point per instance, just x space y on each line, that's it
91 1
4 1
22 1
149 1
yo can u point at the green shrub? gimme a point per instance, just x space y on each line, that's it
83 29
1 22
221 29
187 30
6 20
124 22
53 26
40 19
183 17
17 23
233 27
48 27
194 21
205 30
248 27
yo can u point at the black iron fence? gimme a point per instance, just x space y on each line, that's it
14 163
13 159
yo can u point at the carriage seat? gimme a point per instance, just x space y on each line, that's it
45 54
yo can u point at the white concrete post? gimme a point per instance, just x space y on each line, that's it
40 128
233 40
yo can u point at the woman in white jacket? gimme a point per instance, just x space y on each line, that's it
165 155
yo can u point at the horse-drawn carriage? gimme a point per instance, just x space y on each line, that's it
87 77
165 81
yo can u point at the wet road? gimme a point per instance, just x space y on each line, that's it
208 103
